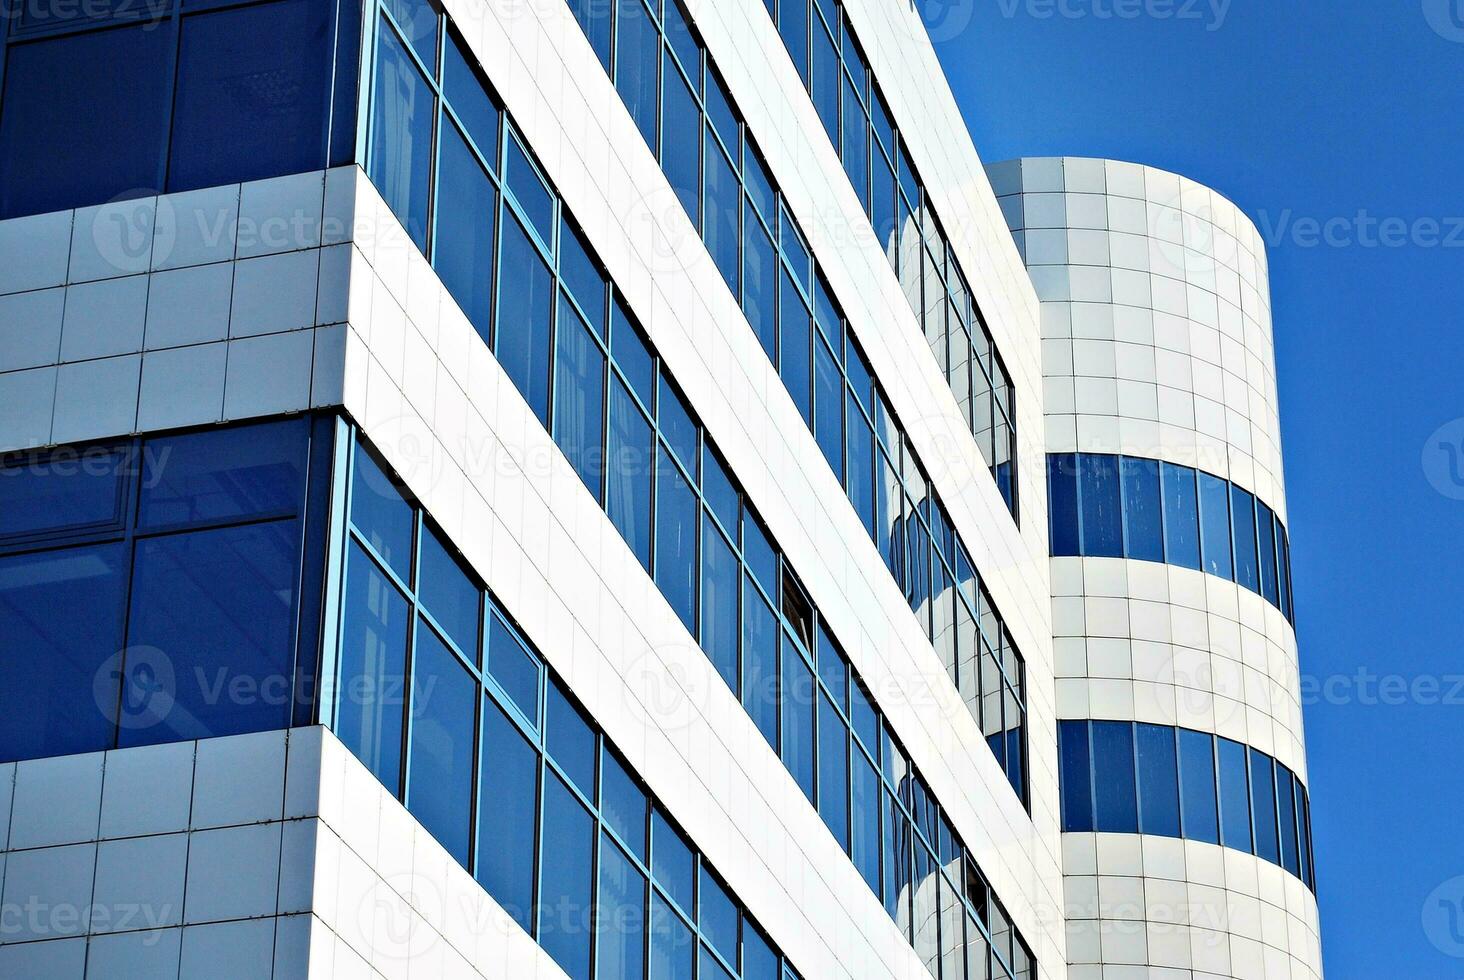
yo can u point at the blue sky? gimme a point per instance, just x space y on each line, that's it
1345 112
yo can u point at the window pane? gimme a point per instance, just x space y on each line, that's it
1158 781
373 671
1181 516
449 595
678 34
1215 525
582 276
1286 814
1143 532
522 337
1113 764
795 354
220 605
860 446
833 777
672 952
508 798
717 915
856 144
720 113
793 25
514 668
380 514
864 719
570 740
1266 535
1243 516
61 619
882 207
721 572
622 803
1197 786
674 420
758 552
1263 806
711 968
529 190
467 209
718 488
865 840
681 156
673 864
253 84
637 55
759 962
628 493
629 351
564 879
825 81
1235 819
594 20
444 731
82 119
579 398
1102 523
760 664
1077 783
676 532
1304 833
1062 502
418 23
798 703
62 489
620 916
723 205
224 474
401 135
759 283
469 98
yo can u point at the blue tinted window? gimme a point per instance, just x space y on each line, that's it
793 26
1263 806
579 398
1235 817
565 892
826 75
469 98
1283 569
1158 781
759 284
760 664
222 602
720 114
795 353
529 190
61 619
620 915
759 183
1062 503
449 595
798 694
1181 516
380 514
514 668
223 474
440 760
761 557
522 337
628 471
582 276
833 776
719 624
672 863
508 798
1304 834
832 668
61 490
864 719
82 119
711 968
856 144
674 420
717 915
1077 782
418 23
594 20
467 211
632 356
1143 531
622 803
828 399
864 840
882 206
1215 525
253 85
860 446
1197 786
1266 535
1113 763
759 962
570 740
678 33
720 491
1101 514
672 949
637 55
1286 814
681 156
373 669
676 532
401 135
1243 515
723 205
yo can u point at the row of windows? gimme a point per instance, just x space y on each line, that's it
107 101
563 335
443 699
152 590
1126 778
726 188
1106 506
863 131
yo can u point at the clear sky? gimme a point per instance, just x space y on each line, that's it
1346 112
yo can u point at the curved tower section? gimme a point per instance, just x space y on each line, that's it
1185 812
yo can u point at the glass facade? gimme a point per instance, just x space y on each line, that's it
1104 506
143 98
1133 778
861 127
806 336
